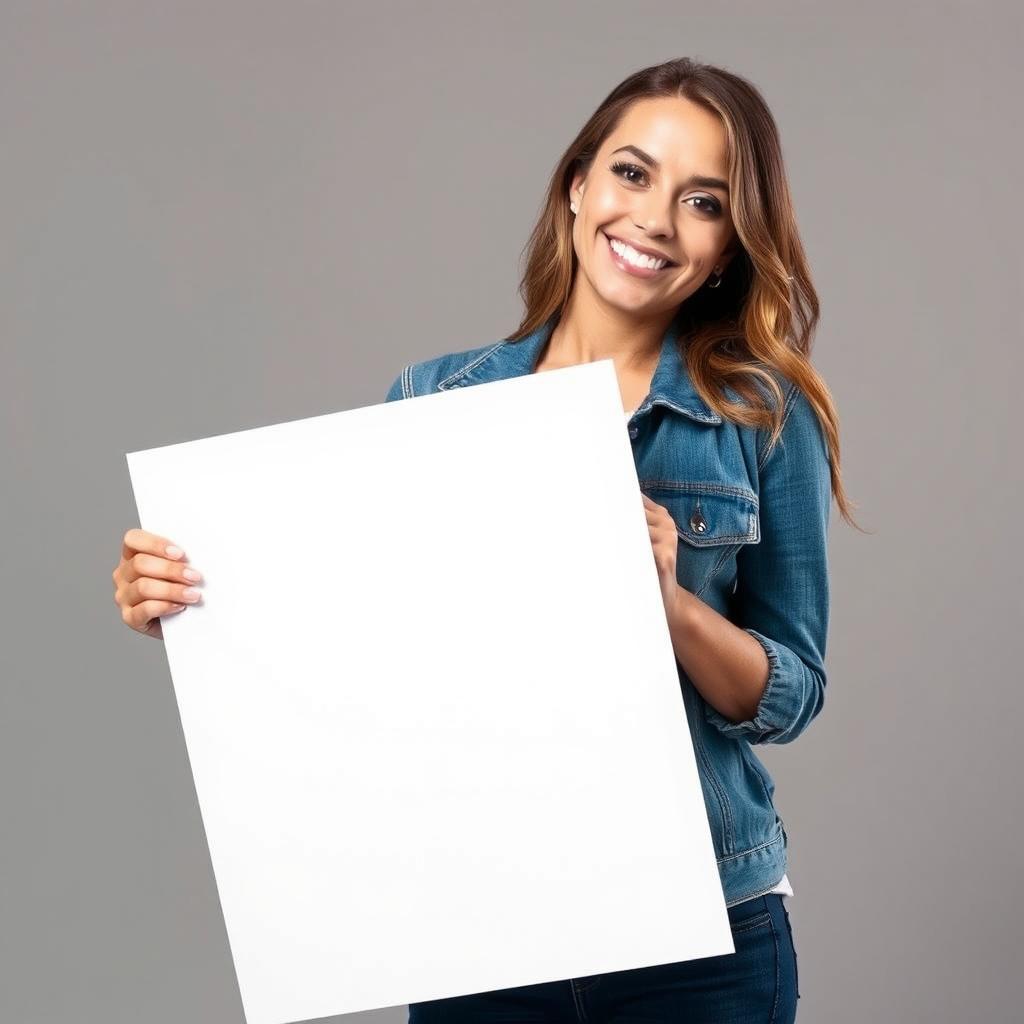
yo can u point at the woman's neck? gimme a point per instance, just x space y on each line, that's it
585 334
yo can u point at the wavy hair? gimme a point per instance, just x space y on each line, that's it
760 320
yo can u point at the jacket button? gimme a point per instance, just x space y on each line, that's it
633 431
697 523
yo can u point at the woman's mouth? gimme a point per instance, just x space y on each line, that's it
631 262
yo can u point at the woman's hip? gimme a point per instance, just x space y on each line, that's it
758 982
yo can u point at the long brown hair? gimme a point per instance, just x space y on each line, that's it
760 320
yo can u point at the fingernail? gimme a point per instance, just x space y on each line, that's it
191 593
173 551
191 574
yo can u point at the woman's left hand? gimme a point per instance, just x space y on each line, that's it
665 542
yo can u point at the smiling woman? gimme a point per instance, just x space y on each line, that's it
660 217
668 243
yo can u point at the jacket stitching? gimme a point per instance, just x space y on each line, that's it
758 769
787 408
723 802
690 693
465 369
714 541
751 896
716 568
703 487
745 853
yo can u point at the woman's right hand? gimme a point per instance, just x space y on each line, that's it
152 579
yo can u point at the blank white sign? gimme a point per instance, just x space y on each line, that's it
430 699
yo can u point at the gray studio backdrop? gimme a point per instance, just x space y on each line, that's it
222 215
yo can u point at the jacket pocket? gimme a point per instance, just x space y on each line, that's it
713 520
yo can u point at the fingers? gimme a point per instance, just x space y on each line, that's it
142 617
141 540
148 554
152 579
160 568
154 629
657 513
146 589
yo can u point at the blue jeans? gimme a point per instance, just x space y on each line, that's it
757 983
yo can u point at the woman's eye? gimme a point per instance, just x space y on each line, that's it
624 167
711 206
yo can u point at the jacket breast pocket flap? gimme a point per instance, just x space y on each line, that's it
708 513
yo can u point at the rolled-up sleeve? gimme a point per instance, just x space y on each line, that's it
782 588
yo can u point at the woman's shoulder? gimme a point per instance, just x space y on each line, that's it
423 377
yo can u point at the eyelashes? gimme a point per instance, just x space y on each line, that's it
712 206
619 168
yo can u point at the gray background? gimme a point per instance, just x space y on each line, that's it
217 216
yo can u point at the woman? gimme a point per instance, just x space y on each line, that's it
668 244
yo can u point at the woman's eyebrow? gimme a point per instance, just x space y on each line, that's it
700 180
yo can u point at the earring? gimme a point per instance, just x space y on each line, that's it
572 206
718 281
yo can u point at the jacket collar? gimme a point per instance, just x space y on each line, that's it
670 386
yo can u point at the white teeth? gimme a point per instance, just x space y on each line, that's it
630 254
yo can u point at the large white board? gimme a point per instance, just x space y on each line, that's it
430 699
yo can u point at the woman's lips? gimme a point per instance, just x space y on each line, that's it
628 268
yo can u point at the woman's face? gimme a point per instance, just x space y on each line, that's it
655 199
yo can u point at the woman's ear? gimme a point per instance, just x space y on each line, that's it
726 255
576 188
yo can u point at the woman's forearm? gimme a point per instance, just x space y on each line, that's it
726 664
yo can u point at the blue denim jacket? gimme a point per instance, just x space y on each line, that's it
753 527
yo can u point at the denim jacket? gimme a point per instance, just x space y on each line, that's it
752 527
